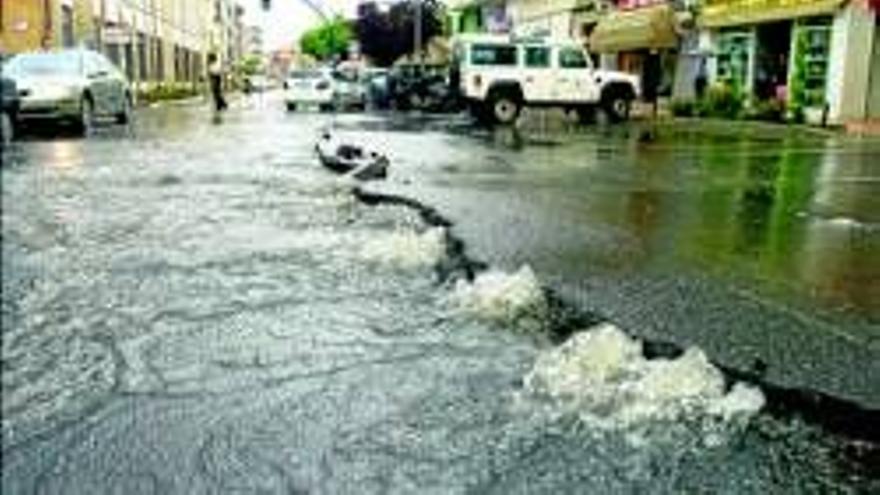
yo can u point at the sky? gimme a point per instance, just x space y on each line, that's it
288 19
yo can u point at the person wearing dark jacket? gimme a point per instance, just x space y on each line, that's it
215 79
652 72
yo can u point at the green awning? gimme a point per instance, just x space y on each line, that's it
718 13
642 28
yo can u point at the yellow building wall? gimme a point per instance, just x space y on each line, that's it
29 25
23 25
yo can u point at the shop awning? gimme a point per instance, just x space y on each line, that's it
717 13
647 27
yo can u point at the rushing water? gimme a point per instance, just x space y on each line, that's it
213 318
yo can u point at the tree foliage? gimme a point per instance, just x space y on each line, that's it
385 36
330 39
251 64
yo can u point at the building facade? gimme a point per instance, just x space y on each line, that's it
45 24
152 41
817 54
822 55
477 16
253 40
557 18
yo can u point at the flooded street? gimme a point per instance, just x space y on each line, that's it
197 307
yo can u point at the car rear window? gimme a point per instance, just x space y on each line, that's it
493 55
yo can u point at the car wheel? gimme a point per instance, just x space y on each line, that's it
124 115
617 106
85 122
6 129
505 107
291 107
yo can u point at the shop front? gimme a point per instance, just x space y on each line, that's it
800 54
633 34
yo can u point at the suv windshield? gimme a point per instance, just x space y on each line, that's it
38 64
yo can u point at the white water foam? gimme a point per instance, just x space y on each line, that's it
504 298
407 248
602 376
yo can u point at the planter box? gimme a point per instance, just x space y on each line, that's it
813 115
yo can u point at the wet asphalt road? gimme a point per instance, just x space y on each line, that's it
192 306
757 244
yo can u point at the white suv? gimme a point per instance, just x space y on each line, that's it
499 75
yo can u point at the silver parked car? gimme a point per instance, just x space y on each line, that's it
76 86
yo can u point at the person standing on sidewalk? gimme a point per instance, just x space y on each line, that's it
215 79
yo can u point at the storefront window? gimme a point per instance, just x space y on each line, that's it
733 57
814 40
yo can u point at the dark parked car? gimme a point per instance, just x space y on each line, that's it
8 109
423 87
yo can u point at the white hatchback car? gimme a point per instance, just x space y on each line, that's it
314 87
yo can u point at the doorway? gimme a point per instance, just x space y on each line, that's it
772 52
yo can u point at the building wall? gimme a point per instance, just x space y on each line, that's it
850 64
554 17
873 103
155 41
23 25
467 19
34 24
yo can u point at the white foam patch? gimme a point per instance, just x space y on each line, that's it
503 297
407 248
602 376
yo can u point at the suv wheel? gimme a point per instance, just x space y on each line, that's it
505 107
617 106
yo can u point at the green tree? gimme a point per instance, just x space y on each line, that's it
251 64
328 40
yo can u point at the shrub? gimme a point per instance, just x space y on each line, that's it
773 110
166 93
724 101
684 107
